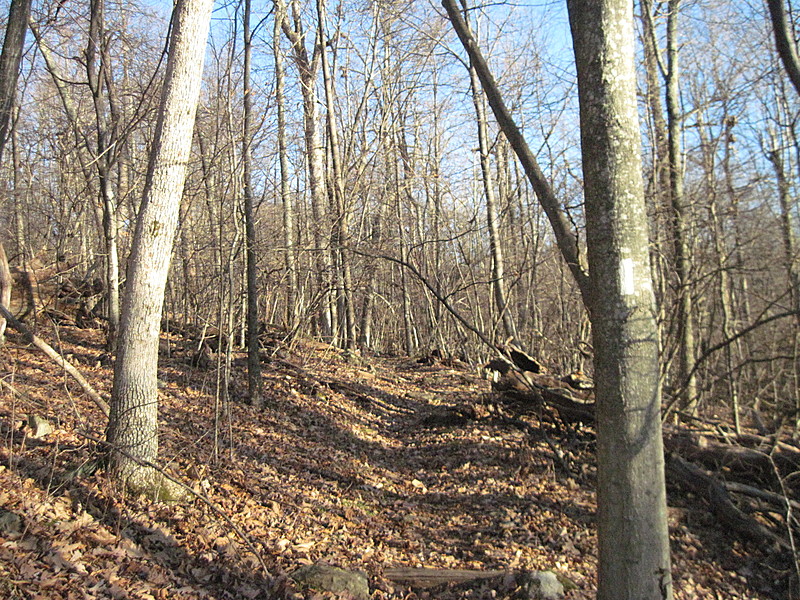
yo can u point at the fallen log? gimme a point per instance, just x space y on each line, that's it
706 486
427 578
31 338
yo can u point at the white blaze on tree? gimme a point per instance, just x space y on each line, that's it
633 539
133 423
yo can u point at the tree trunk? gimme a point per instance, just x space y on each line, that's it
290 260
254 386
315 158
6 284
632 521
104 155
133 422
686 379
495 246
10 60
785 41
340 213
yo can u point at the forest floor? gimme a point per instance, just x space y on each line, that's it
347 463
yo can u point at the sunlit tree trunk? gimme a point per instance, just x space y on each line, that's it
633 539
340 216
315 157
133 422
290 260
495 244
104 155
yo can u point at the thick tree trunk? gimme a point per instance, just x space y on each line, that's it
632 525
133 422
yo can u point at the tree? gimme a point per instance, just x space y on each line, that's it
632 522
132 432
784 41
10 60
253 359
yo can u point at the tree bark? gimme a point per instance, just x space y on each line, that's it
686 354
6 283
633 539
495 246
341 217
254 385
290 260
784 41
10 60
133 421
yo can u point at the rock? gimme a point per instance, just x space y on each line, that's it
10 523
322 577
541 585
39 427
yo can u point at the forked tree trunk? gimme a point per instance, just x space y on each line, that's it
633 539
133 421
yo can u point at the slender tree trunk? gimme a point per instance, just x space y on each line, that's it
6 284
10 60
315 158
289 255
341 217
96 67
686 354
133 422
495 245
632 534
254 385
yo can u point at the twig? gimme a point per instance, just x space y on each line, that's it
31 338
204 499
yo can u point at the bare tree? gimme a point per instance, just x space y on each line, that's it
632 535
132 431
254 384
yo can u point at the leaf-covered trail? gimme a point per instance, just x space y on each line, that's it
360 466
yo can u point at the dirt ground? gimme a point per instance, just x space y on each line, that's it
365 464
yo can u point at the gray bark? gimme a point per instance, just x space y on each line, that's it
133 419
315 157
632 525
290 260
784 41
10 60
253 359
682 263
